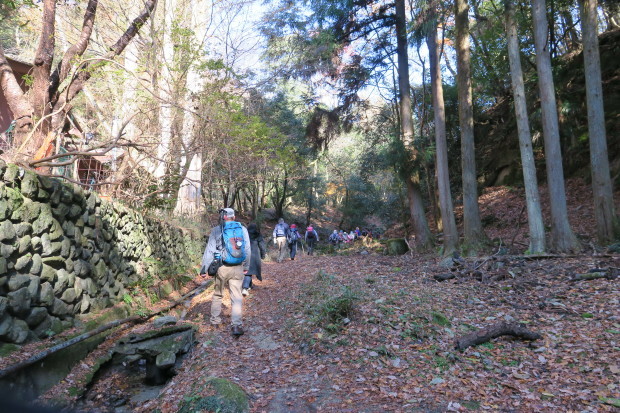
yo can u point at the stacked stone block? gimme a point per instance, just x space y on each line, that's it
64 252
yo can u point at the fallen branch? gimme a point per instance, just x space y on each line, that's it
133 319
502 329
593 276
444 276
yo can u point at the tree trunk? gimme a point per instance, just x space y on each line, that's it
472 226
534 214
166 85
562 237
607 225
416 206
450 233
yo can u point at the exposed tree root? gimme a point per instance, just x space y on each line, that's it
502 329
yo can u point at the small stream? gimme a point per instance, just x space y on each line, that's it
113 386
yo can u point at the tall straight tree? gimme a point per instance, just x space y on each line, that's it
562 237
472 226
607 225
532 197
450 233
416 207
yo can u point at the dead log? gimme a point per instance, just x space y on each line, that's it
592 276
444 277
133 319
502 329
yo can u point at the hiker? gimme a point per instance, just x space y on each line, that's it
279 238
352 236
334 239
358 233
311 237
229 244
293 237
257 244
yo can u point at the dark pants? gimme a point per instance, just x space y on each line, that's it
293 249
247 282
310 243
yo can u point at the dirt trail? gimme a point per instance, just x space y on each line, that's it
276 373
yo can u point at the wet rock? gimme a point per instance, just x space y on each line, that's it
6 323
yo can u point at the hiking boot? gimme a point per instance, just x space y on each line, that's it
237 331
245 292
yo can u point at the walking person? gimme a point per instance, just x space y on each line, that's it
279 238
293 238
230 243
311 237
257 244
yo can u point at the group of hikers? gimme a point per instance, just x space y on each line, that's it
233 255
337 238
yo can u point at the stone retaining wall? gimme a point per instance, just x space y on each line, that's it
64 252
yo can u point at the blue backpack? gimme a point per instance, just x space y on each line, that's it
233 243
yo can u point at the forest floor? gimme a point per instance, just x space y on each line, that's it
363 332
395 352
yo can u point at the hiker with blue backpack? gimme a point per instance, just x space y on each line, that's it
227 257
293 237
280 231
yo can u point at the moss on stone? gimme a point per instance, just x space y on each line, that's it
222 396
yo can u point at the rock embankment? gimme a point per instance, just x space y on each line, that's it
64 251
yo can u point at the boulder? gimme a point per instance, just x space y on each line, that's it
37 265
30 185
48 273
23 245
69 295
221 395
34 285
6 250
165 359
397 246
7 232
17 281
6 324
3 266
4 303
165 320
23 263
19 332
43 223
36 316
60 308
19 301
22 229
46 295
37 245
